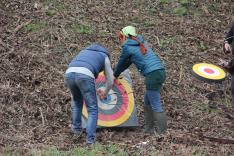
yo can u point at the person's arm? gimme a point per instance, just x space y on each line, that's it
227 66
124 62
230 35
109 75
228 40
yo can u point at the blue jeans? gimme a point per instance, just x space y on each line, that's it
82 88
152 98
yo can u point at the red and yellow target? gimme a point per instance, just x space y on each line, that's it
118 108
208 72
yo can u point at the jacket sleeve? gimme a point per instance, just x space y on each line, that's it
109 75
230 35
124 62
229 67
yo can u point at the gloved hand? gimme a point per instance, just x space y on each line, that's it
101 94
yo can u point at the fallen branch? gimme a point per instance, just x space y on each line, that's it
42 117
181 74
219 140
22 25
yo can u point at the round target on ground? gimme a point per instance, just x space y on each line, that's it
208 72
117 107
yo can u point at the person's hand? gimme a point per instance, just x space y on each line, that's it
227 47
116 79
222 63
101 94
119 77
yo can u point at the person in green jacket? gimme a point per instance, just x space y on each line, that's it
135 50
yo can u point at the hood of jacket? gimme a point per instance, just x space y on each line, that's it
132 42
98 48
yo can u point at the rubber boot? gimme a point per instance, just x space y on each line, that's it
149 120
160 121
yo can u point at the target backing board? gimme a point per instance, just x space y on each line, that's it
118 109
208 72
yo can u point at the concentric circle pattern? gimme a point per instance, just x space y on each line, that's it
117 107
207 71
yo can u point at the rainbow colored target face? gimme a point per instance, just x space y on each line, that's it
210 72
117 107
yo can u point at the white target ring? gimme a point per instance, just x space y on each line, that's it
109 103
209 71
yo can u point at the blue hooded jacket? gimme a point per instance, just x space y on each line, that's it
131 53
92 58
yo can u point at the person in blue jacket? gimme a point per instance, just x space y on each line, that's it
80 79
135 50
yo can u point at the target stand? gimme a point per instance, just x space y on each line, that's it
208 72
118 109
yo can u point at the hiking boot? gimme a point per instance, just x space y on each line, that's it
149 120
160 121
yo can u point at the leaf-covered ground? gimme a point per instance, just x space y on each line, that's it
39 37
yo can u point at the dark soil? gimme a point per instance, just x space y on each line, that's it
39 38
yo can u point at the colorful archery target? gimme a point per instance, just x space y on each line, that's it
209 72
118 107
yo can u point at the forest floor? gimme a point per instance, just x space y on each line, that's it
39 38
